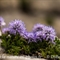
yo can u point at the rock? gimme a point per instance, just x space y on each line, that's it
20 58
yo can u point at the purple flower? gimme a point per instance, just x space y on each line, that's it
49 30
24 35
4 30
31 37
17 26
50 33
38 27
40 35
43 32
12 31
51 38
2 23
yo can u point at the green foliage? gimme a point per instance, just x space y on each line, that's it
16 45
52 49
14 50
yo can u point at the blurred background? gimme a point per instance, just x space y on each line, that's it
31 12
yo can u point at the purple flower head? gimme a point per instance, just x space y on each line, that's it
40 35
49 30
2 23
31 37
50 33
12 31
17 26
38 27
43 32
51 38
24 34
4 30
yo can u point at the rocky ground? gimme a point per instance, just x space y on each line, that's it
20 58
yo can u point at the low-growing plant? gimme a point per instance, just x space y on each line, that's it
17 41
14 44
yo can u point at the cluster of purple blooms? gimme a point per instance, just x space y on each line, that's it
40 32
43 32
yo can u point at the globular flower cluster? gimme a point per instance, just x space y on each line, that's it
40 32
17 26
31 37
5 30
43 32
